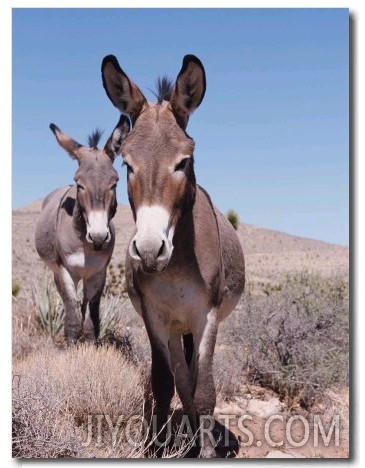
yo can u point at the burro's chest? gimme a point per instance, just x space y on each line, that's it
84 262
176 295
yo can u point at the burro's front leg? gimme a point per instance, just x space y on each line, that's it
93 289
66 286
162 384
205 395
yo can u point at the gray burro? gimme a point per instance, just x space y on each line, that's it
75 235
184 267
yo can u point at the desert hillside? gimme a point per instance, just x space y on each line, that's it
269 254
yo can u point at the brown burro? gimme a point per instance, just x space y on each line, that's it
184 267
74 234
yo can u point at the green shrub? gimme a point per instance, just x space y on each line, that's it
295 340
15 288
233 218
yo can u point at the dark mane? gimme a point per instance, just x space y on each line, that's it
94 138
164 88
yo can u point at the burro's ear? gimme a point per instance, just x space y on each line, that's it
189 89
67 143
114 143
122 92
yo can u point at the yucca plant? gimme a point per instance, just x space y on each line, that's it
110 313
50 313
49 308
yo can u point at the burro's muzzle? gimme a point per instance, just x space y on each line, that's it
97 229
152 247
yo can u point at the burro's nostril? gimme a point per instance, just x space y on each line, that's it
135 249
162 248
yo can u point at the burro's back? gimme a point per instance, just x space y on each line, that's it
233 264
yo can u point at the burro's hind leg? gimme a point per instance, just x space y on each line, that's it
93 289
67 287
205 396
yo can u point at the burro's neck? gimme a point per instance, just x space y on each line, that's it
197 232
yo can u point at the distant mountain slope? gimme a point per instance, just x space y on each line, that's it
269 254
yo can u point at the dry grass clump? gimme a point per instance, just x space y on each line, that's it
26 336
55 393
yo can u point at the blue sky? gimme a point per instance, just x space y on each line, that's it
272 138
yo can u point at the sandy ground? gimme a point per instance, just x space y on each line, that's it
266 428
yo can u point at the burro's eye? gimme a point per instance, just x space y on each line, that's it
181 166
113 187
80 187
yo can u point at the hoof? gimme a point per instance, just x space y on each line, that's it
208 452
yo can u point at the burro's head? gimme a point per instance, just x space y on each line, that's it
96 180
158 154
